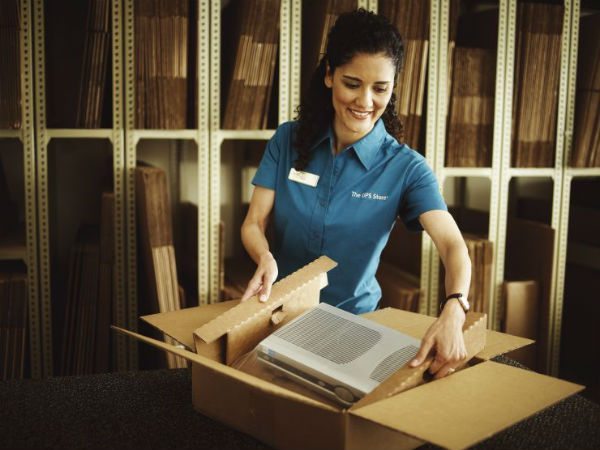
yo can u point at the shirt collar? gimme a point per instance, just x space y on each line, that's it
365 148
327 133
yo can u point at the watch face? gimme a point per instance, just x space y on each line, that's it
464 303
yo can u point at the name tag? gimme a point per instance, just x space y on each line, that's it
310 179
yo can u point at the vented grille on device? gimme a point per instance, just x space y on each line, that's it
393 362
334 338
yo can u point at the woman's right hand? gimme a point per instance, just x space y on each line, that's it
263 279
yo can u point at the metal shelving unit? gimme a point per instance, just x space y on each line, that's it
287 59
11 134
199 135
43 138
428 276
556 173
501 172
493 173
561 207
42 191
25 247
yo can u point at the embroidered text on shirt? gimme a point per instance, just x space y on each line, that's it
369 195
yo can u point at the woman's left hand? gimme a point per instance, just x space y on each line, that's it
444 339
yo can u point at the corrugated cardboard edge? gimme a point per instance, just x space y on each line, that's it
496 343
180 324
500 343
222 368
444 412
249 309
474 331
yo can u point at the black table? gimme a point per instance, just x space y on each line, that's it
153 409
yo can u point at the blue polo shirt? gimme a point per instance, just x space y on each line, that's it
348 216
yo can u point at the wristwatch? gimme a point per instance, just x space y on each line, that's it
462 301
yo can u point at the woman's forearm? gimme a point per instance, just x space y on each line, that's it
458 269
255 241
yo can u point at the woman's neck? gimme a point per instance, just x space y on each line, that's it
343 138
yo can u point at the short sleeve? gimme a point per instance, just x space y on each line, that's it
421 194
266 175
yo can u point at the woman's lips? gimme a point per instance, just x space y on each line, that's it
360 115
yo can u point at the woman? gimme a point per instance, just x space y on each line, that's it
336 179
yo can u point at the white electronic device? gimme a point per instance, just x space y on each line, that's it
337 353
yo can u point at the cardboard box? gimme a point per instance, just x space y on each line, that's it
521 304
403 412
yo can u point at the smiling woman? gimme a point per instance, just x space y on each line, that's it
347 141
359 95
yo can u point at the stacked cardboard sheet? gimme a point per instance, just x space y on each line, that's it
399 289
13 319
537 72
161 63
318 17
8 208
82 304
399 269
529 255
105 282
236 275
251 84
481 255
156 245
86 337
471 109
411 17
586 147
95 64
187 252
10 69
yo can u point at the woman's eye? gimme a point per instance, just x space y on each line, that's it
380 90
352 85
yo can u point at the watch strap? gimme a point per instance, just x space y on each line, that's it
459 296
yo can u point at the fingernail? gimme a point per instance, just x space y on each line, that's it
263 298
414 362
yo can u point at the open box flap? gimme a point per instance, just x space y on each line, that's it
413 324
226 370
469 406
416 325
474 333
180 325
500 343
280 292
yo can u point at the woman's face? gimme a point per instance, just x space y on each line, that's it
361 90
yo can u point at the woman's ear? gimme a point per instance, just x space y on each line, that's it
328 77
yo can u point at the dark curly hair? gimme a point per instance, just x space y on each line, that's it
354 32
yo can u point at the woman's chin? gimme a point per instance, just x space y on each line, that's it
361 128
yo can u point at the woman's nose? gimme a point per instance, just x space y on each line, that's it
365 99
